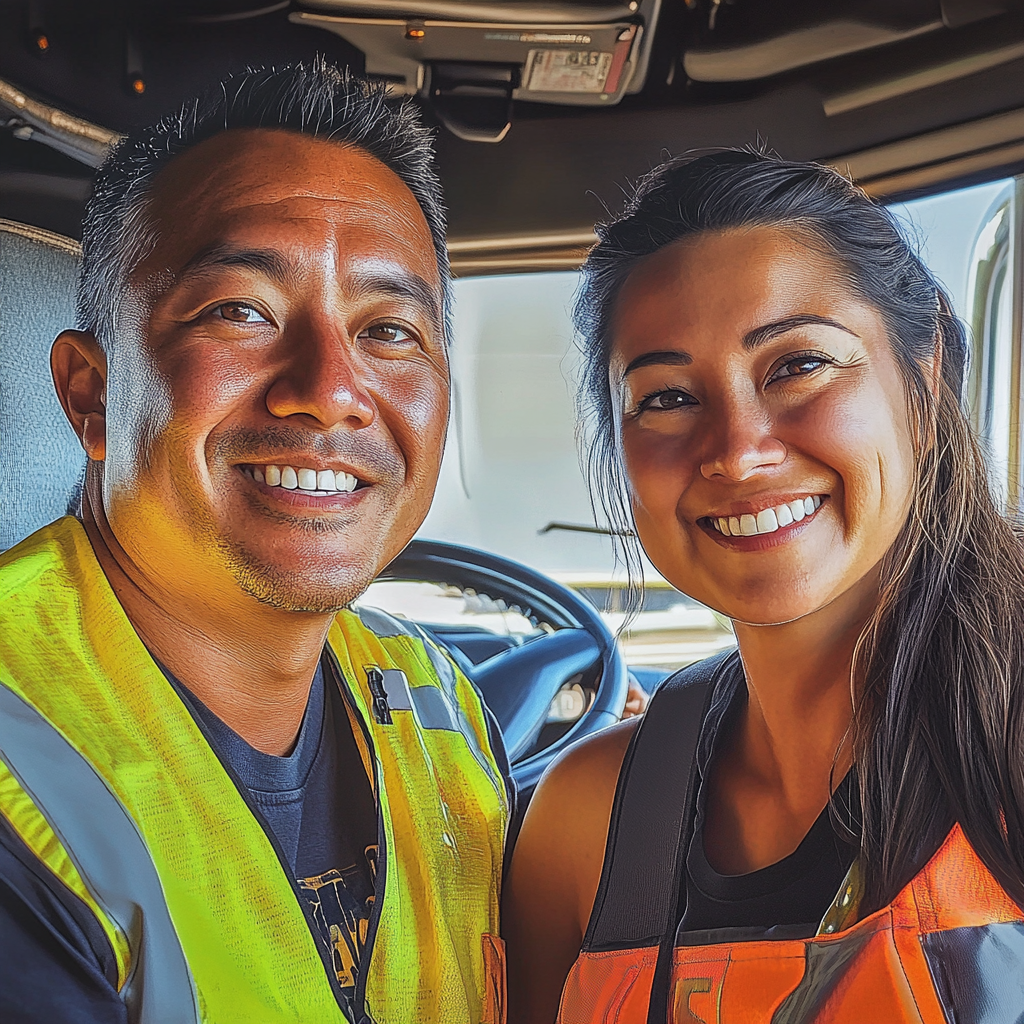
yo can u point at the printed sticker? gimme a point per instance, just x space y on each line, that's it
567 70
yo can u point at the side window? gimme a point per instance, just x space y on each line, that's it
995 356
971 240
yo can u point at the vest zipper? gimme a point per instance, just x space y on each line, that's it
380 879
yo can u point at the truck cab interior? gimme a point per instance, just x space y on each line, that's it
544 112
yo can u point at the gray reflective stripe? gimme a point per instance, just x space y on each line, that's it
978 971
433 709
442 666
826 962
109 853
448 714
382 624
396 686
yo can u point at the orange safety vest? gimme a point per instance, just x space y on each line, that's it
949 949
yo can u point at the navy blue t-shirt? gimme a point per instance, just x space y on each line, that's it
320 808
55 961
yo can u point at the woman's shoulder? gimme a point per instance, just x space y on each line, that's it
575 796
560 849
593 764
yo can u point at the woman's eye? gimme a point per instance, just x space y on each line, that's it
389 333
240 313
799 367
666 400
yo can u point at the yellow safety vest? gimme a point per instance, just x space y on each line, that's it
109 781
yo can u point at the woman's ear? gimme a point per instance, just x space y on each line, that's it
79 368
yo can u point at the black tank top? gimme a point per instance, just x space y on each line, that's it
792 893
789 897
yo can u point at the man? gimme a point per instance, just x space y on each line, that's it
224 796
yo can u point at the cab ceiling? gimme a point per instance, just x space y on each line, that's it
809 80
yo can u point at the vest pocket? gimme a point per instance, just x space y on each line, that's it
494 980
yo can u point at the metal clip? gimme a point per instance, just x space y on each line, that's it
375 682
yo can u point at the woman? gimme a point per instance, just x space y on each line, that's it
828 826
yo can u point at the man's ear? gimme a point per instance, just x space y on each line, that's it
79 369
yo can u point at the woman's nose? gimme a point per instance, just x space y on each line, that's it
740 442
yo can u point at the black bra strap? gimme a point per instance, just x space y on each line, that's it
638 894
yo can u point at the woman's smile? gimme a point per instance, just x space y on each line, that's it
768 522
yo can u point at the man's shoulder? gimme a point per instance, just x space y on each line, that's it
381 623
386 627
55 547
468 711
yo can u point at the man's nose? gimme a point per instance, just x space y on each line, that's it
740 441
322 378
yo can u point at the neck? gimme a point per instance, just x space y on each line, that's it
794 736
252 665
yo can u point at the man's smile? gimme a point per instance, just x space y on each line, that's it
303 478
318 487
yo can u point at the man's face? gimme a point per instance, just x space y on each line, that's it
276 410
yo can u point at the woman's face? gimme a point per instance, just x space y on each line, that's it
757 395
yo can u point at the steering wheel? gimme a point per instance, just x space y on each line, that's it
520 683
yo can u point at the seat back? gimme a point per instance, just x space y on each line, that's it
41 461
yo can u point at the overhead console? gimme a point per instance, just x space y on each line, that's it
741 41
469 59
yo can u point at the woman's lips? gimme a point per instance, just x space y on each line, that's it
770 537
768 520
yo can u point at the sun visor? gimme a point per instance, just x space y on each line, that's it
471 59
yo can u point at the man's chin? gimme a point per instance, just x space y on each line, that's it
298 591
316 598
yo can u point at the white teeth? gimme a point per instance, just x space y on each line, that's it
768 520
323 481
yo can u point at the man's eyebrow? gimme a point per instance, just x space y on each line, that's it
667 358
268 262
764 333
395 281
401 284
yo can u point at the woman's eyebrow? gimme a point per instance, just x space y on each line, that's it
667 358
759 335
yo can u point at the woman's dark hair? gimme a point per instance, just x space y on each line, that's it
938 673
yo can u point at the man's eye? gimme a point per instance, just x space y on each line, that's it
669 399
799 367
240 313
389 333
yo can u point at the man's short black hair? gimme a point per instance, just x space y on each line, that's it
317 99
